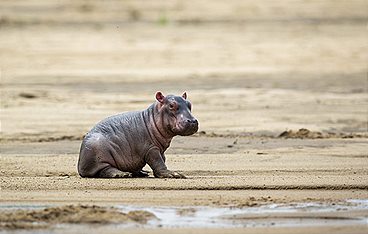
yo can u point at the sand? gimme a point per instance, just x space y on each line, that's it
280 91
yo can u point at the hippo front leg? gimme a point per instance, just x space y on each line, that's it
140 174
156 161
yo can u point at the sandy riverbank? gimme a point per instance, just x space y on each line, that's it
252 70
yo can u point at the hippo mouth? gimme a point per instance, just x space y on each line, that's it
188 129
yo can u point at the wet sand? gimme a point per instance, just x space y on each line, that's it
253 71
250 173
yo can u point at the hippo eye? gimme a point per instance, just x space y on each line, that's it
171 106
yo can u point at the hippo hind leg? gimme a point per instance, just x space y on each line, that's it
96 159
112 172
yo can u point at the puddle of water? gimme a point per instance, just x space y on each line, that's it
358 201
267 215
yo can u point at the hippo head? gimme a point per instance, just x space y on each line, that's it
176 114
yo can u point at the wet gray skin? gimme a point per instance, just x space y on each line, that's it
121 145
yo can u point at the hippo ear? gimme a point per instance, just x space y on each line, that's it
184 95
160 97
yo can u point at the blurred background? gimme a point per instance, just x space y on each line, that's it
249 67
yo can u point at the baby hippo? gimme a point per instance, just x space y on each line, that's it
121 145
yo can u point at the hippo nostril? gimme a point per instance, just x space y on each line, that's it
192 121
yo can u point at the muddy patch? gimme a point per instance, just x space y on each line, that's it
71 214
304 133
312 214
28 95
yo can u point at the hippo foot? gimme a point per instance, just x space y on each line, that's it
169 174
112 172
141 173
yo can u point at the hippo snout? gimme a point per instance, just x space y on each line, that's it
190 127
